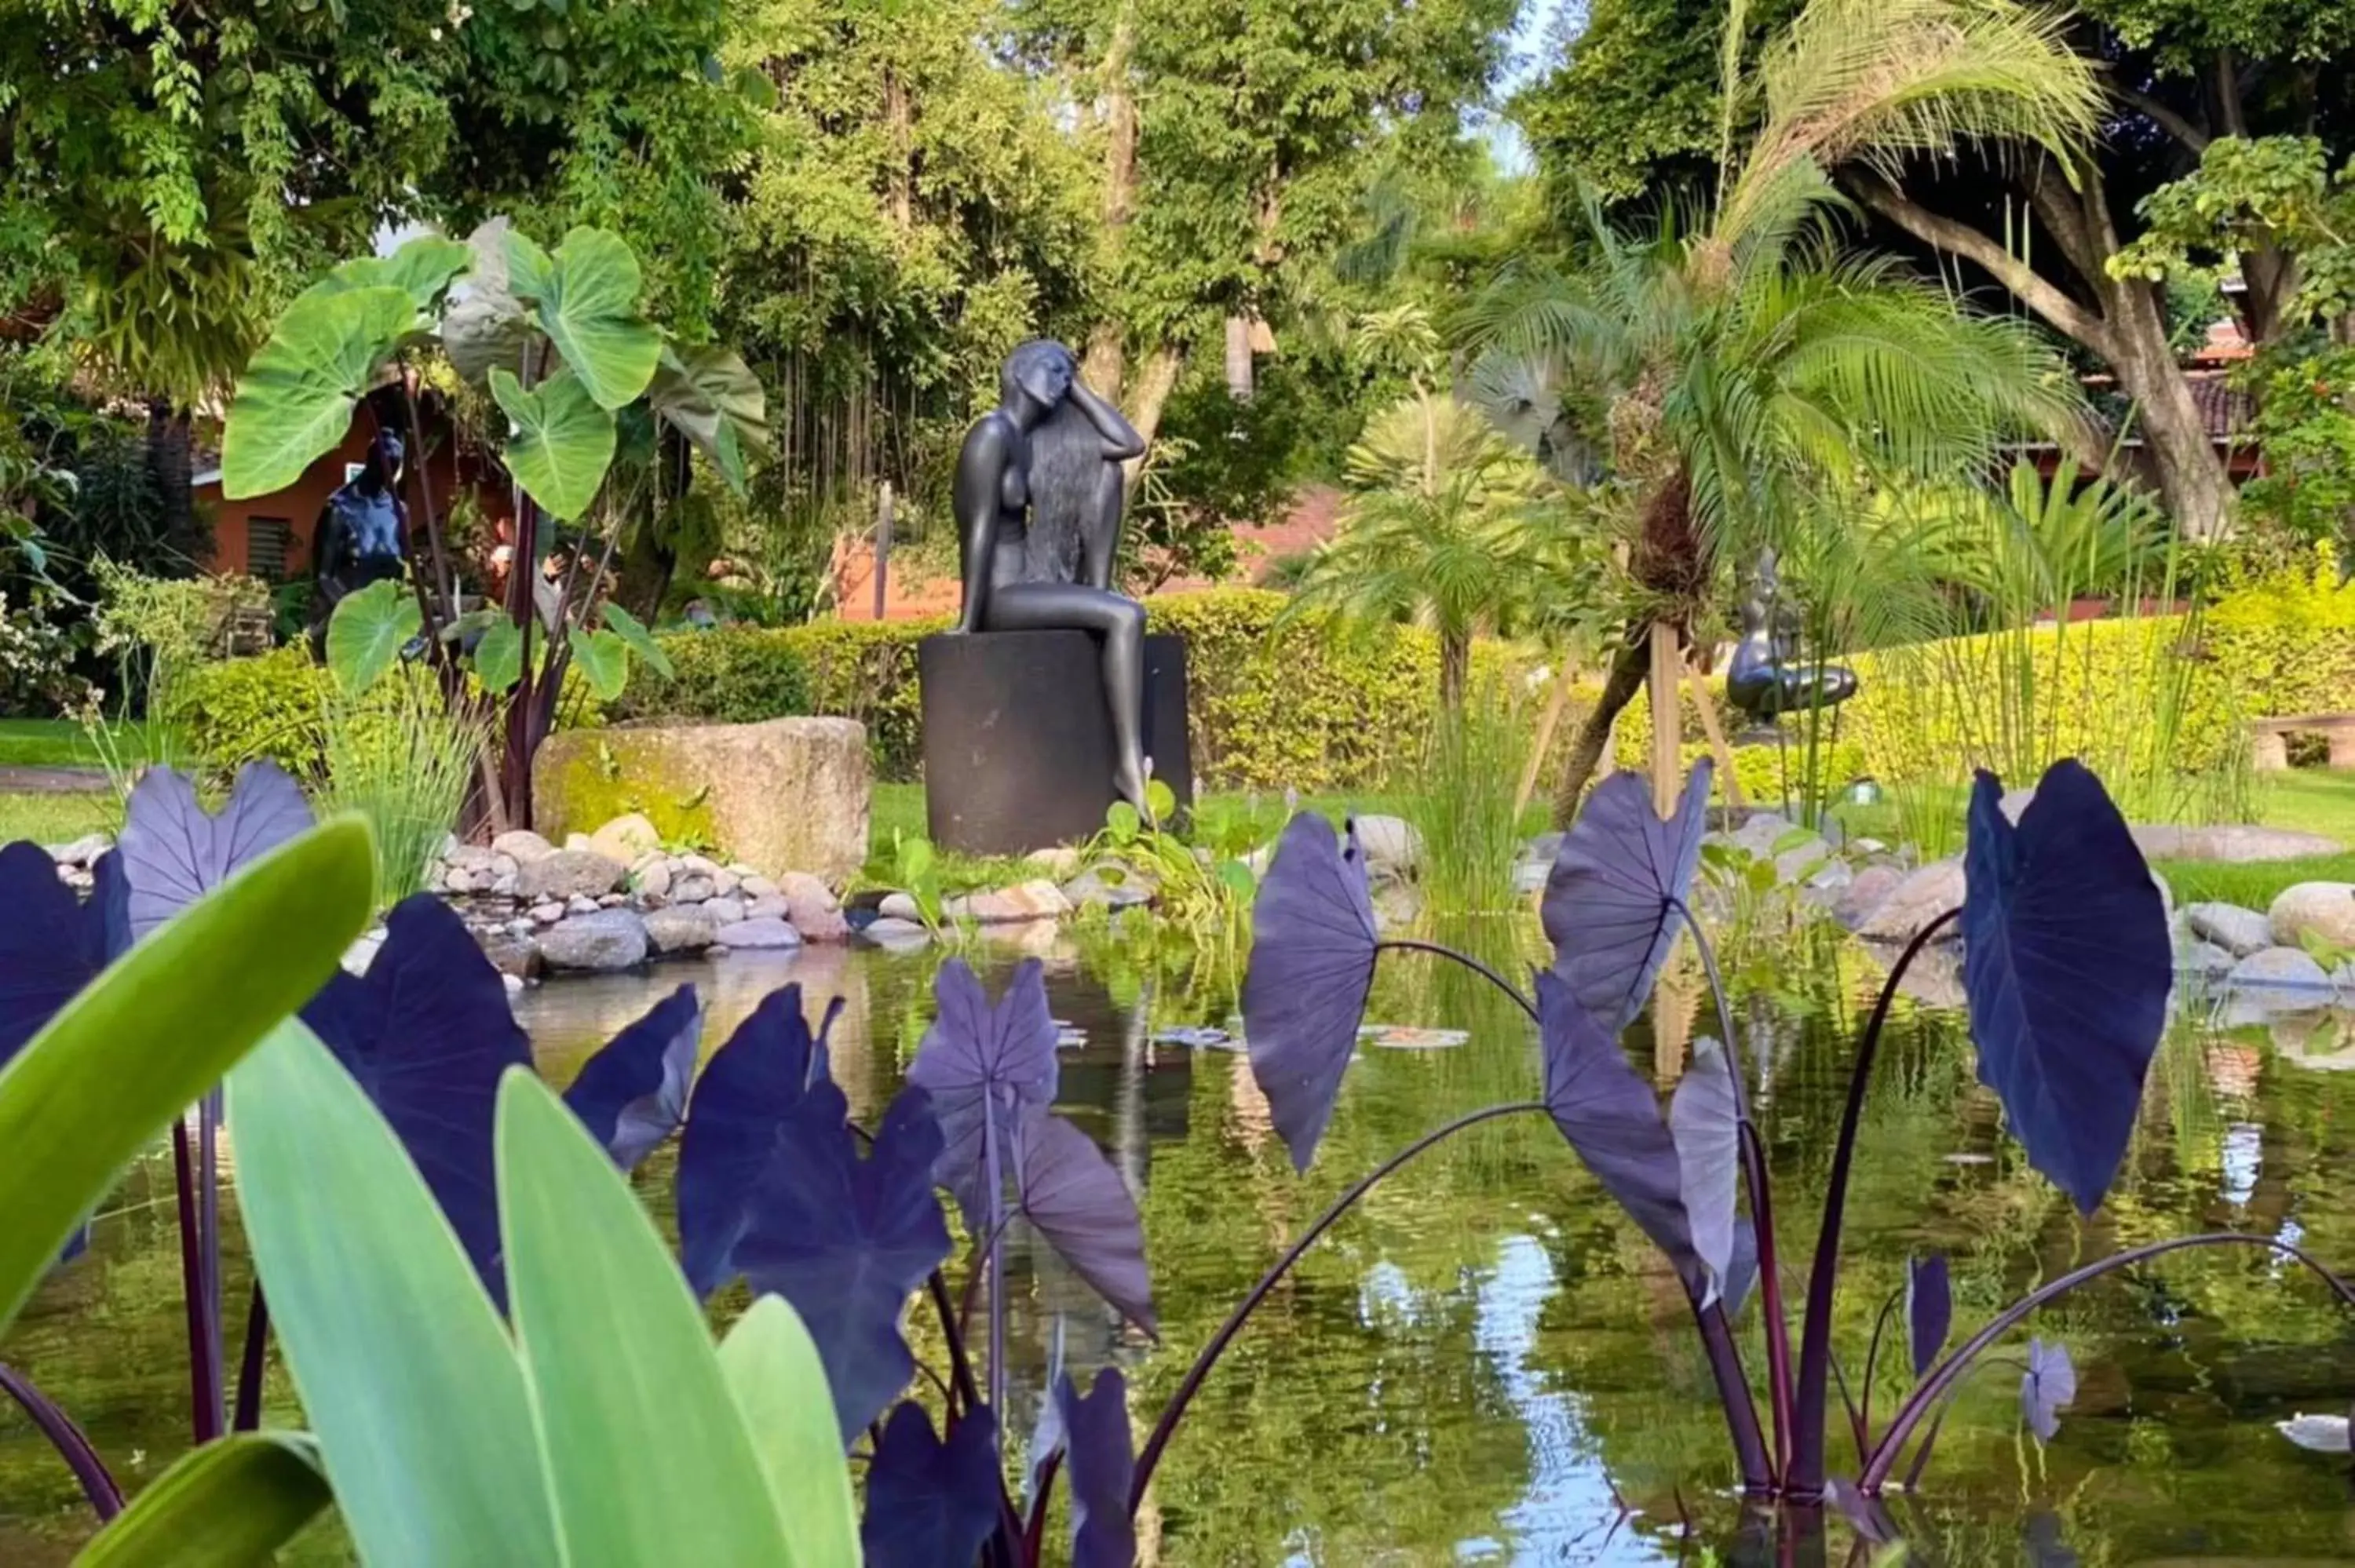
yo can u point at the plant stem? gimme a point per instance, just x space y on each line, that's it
209 1122
1893 1442
1149 1457
204 1391
72 1444
960 1367
248 1416
1761 1205
1806 1479
993 1258
1469 962
1734 1396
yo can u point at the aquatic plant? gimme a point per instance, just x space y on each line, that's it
2067 965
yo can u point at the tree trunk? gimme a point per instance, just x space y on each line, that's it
1240 382
1156 379
171 464
642 580
1454 670
1102 368
1628 667
2183 463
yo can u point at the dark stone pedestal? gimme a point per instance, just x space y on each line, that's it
1017 741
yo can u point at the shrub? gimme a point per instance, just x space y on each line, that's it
735 676
233 711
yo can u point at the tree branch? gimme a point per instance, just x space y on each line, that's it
2167 120
2039 293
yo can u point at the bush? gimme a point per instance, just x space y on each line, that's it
230 712
737 676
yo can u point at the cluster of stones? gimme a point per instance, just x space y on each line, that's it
614 899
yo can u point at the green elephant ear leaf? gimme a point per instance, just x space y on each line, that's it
423 269
589 309
633 632
367 632
562 444
499 657
604 662
485 325
712 397
295 403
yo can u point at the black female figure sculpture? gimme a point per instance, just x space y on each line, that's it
1766 677
363 534
1037 500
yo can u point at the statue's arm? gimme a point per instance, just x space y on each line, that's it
327 548
1120 438
980 472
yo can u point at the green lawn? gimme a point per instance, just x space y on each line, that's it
54 819
45 743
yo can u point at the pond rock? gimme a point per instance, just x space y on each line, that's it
772 907
2322 909
1061 862
1108 886
899 906
1038 900
510 954
2204 960
692 887
888 931
1392 846
568 873
654 878
725 911
2282 969
523 846
810 904
626 838
2238 931
548 913
1918 899
680 929
608 939
83 851
757 935
2235 844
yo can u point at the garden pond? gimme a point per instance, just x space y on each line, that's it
1487 1353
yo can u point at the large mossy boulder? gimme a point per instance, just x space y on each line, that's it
789 794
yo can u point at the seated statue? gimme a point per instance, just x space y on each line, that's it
1767 677
363 534
1038 499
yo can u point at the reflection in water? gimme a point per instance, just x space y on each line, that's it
1468 1368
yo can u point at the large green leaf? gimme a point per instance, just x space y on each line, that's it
159 1028
632 630
404 1367
422 268
709 393
588 306
603 660
487 326
772 1369
367 632
563 442
294 402
648 1458
499 657
228 1504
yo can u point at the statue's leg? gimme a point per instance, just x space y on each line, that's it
1120 623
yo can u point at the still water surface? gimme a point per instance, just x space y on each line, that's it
1471 1369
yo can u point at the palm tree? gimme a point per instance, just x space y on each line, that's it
1438 530
1744 375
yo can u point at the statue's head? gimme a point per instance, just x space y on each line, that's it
1039 373
382 466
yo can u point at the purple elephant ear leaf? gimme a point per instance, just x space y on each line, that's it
739 1109
1611 1118
1705 1125
1074 1198
1929 1310
1611 901
1741 1269
1101 1456
987 1069
52 943
632 1094
846 1240
2066 965
428 1033
2047 1385
930 1504
1312 965
175 852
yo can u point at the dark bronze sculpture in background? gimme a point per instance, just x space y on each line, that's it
363 534
1766 676
1039 497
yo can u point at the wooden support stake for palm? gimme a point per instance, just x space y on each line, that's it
1547 722
1716 732
1667 727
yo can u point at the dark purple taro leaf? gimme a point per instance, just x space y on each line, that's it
175 852
2049 1383
633 1093
846 1240
1741 1269
1929 1310
2067 964
428 1033
987 1069
1611 1118
741 1108
1704 1124
1075 1199
930 1504
1312 964
1609 907
1100 1455
52 943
